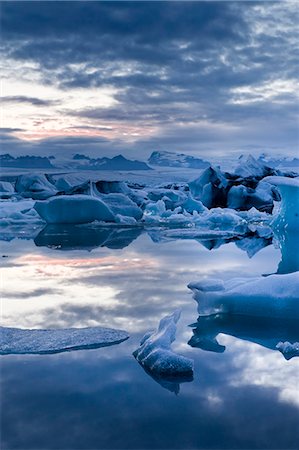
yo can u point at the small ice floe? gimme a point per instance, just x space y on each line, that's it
272 296
157 358
288 350
26 341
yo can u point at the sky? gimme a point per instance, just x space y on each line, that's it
103 78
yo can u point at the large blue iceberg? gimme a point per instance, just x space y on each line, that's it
272 296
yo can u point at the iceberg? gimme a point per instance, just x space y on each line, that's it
35 186
74 209
26 341
172 159
122 205
210 187
251 167
155 354
18 212
244 198
6 190
272 296
288 214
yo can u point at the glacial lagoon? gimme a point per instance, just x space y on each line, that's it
244 392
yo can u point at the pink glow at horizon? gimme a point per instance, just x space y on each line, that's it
115 131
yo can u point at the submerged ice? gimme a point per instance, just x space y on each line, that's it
25 341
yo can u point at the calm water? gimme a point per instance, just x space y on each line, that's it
243 396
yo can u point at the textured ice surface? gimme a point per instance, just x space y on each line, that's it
250 167
242 197
288 350
122 205
18 212
6 189
288 214
272 296
20 341
155 354
74 209
171 159
35 186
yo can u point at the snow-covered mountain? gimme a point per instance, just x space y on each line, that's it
78 162
117 163
170 159
26 162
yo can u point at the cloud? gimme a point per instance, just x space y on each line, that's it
31 100
215 68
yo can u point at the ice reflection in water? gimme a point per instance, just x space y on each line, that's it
132 287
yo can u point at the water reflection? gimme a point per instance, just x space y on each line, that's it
265 331
88 393
84 237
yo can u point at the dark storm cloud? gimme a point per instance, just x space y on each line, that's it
170 62
90 145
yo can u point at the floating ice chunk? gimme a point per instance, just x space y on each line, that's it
272 296
190 205
288 215
172 198
6 189
210 187
250 167
62 184
121 204
20 341
237 196
74 209
288 350
112 187
125 220
18 212
242 197
155 354
35 186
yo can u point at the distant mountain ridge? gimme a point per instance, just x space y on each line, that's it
172 159
78 162
118 162
26 162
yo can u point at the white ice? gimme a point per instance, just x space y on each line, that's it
250 167
155 353
35 186
272 296
18 212
20 341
